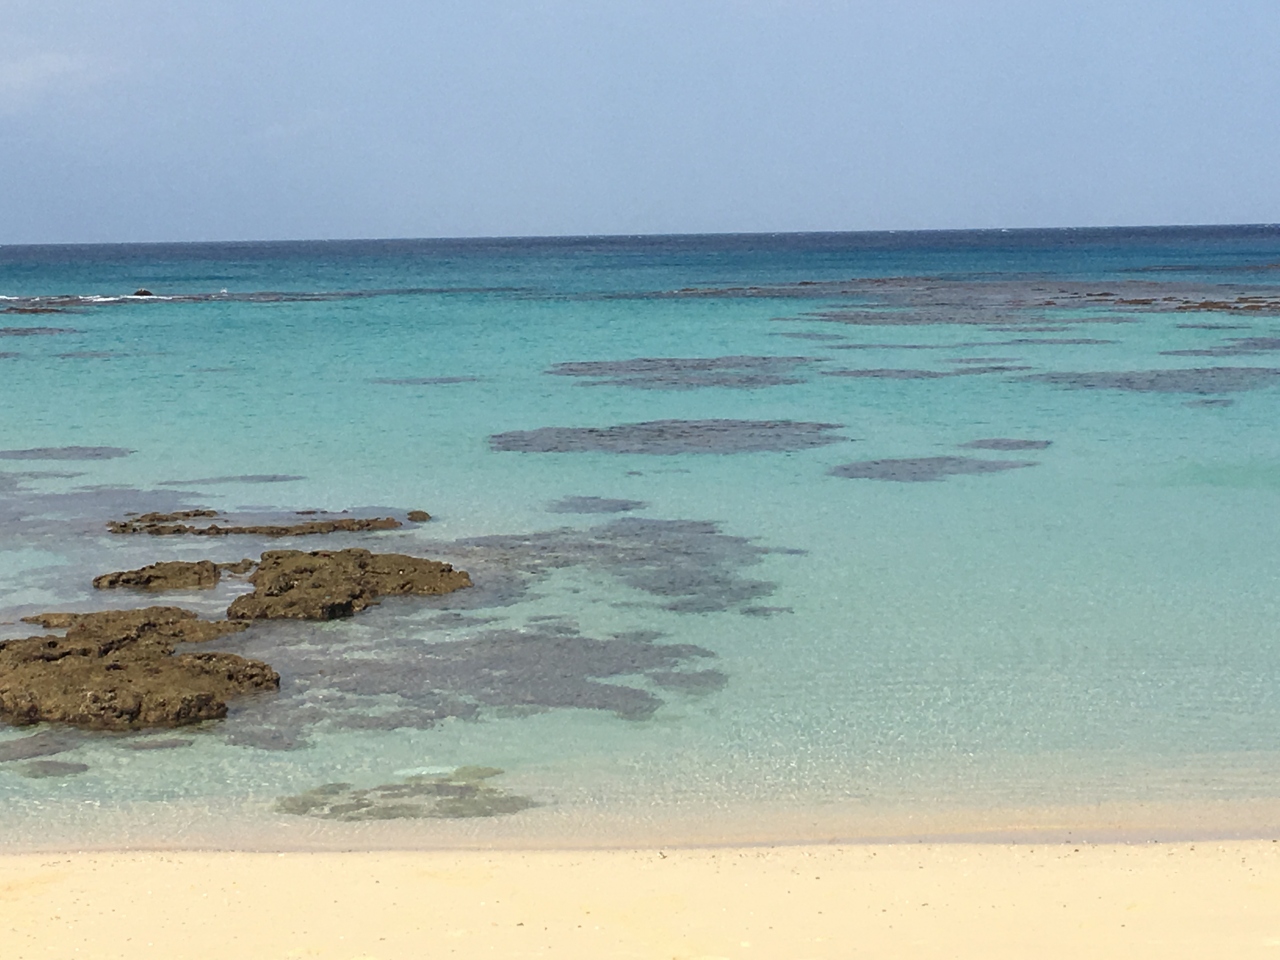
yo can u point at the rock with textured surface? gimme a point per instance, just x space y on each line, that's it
167 575
328 584
173 524
116 670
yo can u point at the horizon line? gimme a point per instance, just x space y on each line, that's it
480 238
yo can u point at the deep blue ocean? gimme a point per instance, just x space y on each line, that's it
772 536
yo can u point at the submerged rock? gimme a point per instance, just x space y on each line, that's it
923 469
116 670
328 584
669 437
65 453
418 516
42 769
43 744
171 524
1006 443
462 793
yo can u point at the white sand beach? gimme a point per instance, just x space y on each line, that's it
990 901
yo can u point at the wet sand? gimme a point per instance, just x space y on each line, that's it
1157 900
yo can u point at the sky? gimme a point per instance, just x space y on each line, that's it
166 120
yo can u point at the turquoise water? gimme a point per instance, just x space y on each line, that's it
1094 623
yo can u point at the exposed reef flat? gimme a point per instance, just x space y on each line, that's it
172 575
670 437
329 584
116 670
924 469
172 524
687 373
462 793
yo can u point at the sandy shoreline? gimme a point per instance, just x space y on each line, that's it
788 902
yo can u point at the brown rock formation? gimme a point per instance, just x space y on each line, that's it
169 575
170 524
116 670
172 575
329 584
419 516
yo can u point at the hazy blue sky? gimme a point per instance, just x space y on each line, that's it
169 120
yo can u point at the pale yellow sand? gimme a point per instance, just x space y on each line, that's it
990 901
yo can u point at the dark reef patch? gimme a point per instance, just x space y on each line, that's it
46 743
9 355
1053 342
32 331
1202 380
669 437
462 793
796 335
65 453
924 469
1236 347
595 505
894 346
1006 443
910 374
242 478
883 373
1211 402
687 373
1212 326
689 565
394 678
45 769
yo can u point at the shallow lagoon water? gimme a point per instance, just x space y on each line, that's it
778 618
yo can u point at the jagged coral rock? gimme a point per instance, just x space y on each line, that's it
116 670
171 524
328 584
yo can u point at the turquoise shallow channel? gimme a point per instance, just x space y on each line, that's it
796 536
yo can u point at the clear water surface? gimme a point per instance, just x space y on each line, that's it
838 606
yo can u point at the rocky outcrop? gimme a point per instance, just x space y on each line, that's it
171 524
329 584
172 575
169 575
117 670
167 623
